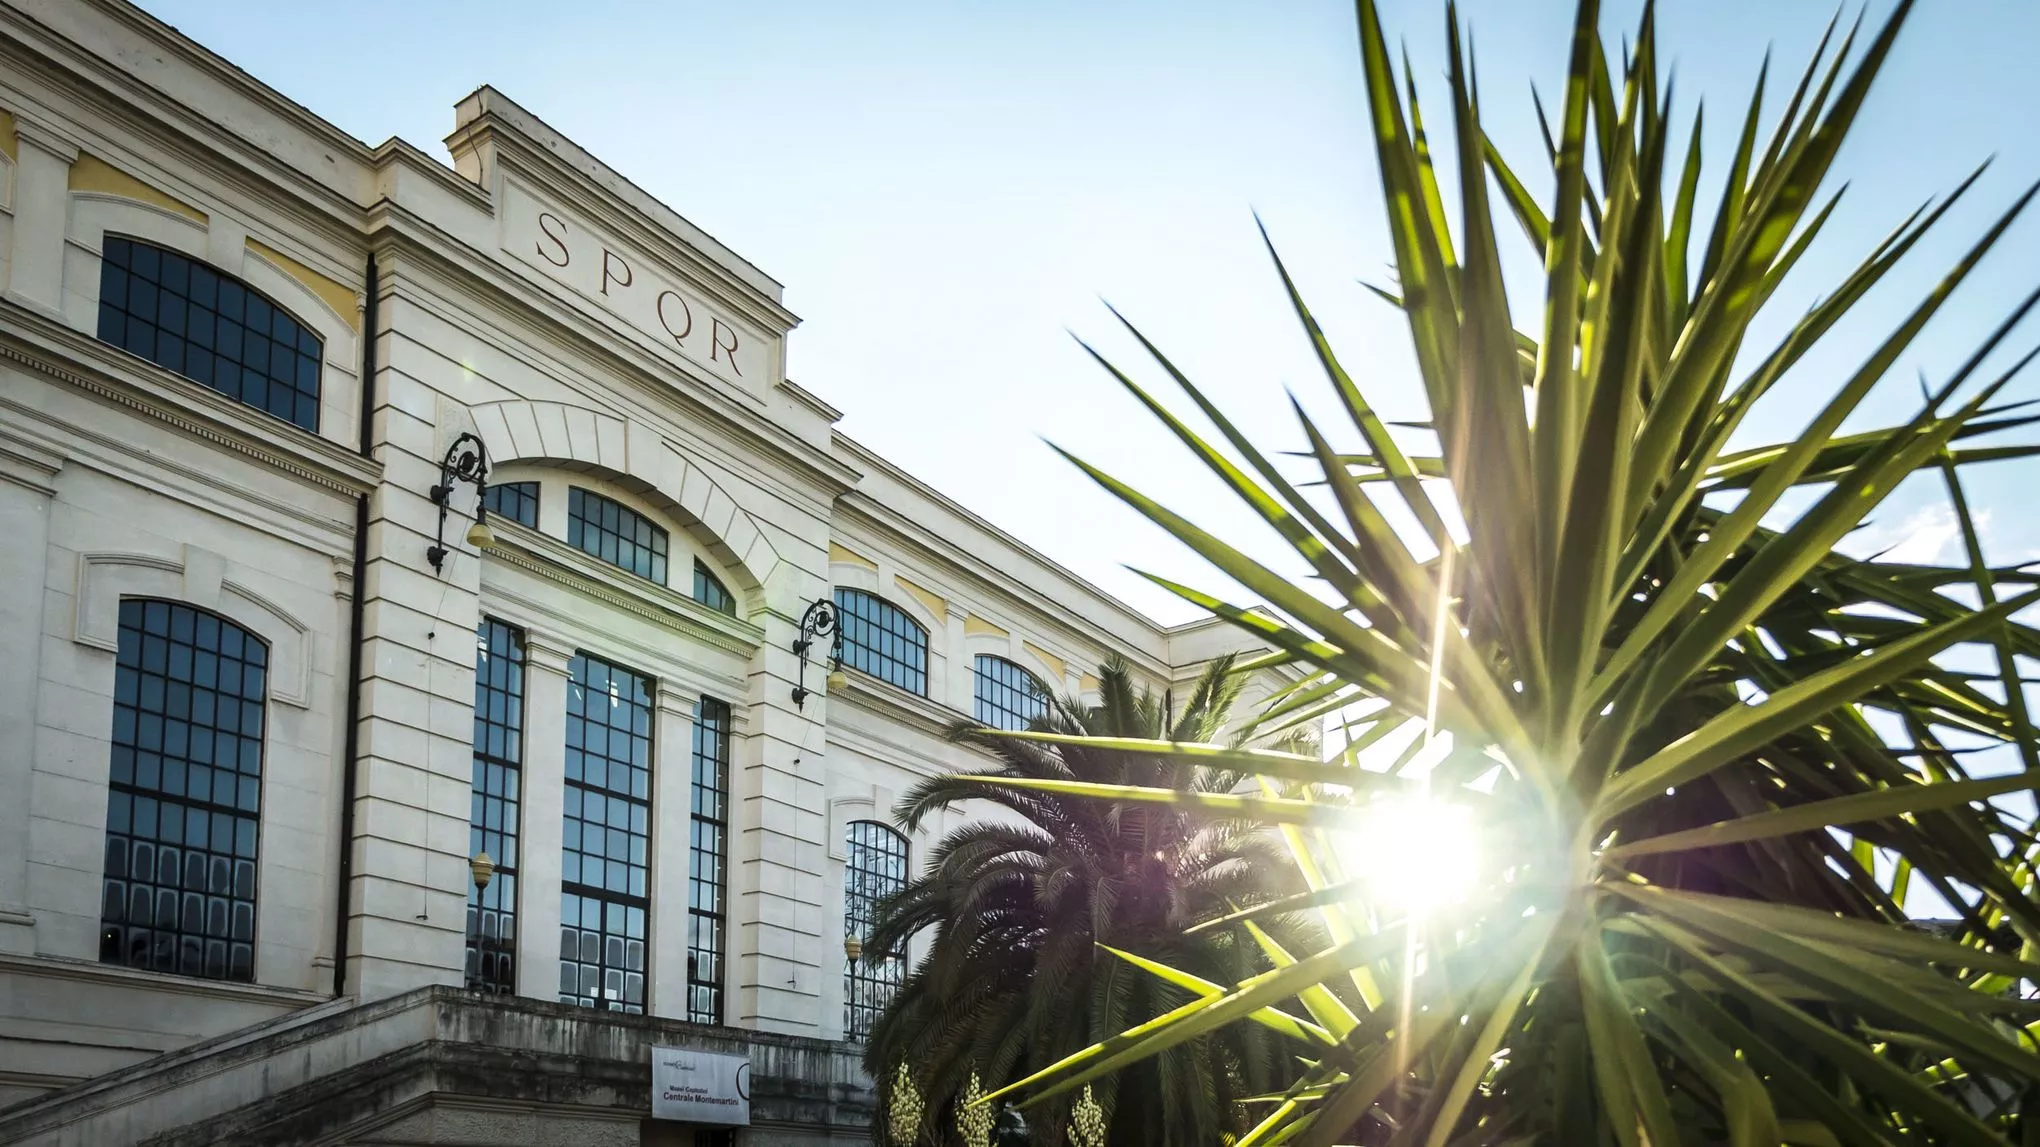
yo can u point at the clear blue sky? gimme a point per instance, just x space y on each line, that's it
948 188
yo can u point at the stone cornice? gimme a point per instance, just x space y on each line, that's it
488 289
519 157
115 96
943 553
562 564
902 709
64 355
104 975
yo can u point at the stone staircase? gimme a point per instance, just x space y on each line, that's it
437 1065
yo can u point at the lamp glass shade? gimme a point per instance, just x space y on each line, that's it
852 946
837 679
484 869
480 536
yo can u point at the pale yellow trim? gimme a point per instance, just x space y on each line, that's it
90 173
1089 684
934 601
975 626
338 296
9 146
1060 666
849 557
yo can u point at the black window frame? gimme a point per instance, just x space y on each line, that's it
881 639
596 523
163 305
710 591
877 863
173 735
708 855
495 804
613 918
516 501
1004 694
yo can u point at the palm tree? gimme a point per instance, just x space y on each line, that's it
1024 904
1698 758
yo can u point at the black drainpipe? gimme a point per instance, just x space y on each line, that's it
350 751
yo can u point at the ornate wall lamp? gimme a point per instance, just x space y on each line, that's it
818 622
466 461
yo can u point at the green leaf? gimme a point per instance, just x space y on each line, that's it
1820 815
1743 728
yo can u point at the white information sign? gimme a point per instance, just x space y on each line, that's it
701 1087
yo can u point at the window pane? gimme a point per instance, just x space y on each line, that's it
493 806
877 637
617 534
607 800
875 868
1008 697
708 861
517 501
152 300
181 834
711 592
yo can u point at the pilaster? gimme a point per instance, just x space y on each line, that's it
27 484
962 682
42 204
672 809
779 861
539 836
407 901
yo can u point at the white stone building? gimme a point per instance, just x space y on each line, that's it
246 758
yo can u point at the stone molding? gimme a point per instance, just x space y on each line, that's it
195 578
189 407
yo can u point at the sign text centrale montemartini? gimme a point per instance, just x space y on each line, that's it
701 1087
626 284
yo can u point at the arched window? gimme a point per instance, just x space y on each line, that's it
877 637
875 867
711 592
209 327
1008 697
616 533
517 501
184 794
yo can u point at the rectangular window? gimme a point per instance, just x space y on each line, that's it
492 816
616 533
709 858
606 868
517 501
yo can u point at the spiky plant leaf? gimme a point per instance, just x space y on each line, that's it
1707 756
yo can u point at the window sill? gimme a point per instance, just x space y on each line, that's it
114 975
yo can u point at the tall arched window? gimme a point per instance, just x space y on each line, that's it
1008 697
184 794
209 327
880 639
875 867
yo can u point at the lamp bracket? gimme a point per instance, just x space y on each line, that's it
818 622
467 460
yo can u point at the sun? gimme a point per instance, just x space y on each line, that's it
1414 855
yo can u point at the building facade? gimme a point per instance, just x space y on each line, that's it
264 702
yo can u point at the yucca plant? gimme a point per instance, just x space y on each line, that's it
1699 757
